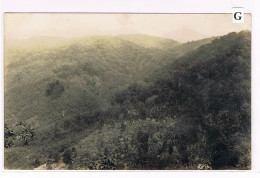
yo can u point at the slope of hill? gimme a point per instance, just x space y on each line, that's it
50 87
90 104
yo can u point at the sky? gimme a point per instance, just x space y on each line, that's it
180 27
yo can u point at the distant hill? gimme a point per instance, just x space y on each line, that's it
184 35
150 41
51 42
36 42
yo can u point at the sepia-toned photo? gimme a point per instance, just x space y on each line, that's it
125 91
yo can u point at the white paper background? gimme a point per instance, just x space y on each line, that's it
144 6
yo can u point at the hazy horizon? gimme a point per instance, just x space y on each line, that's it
179 27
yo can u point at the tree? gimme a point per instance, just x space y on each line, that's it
8 137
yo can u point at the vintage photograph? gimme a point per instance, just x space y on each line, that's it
126 91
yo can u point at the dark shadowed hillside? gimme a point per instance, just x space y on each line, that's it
205 95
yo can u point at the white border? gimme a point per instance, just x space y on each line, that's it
255 66
145 6
134 6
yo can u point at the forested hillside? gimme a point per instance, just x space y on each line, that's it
129 102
